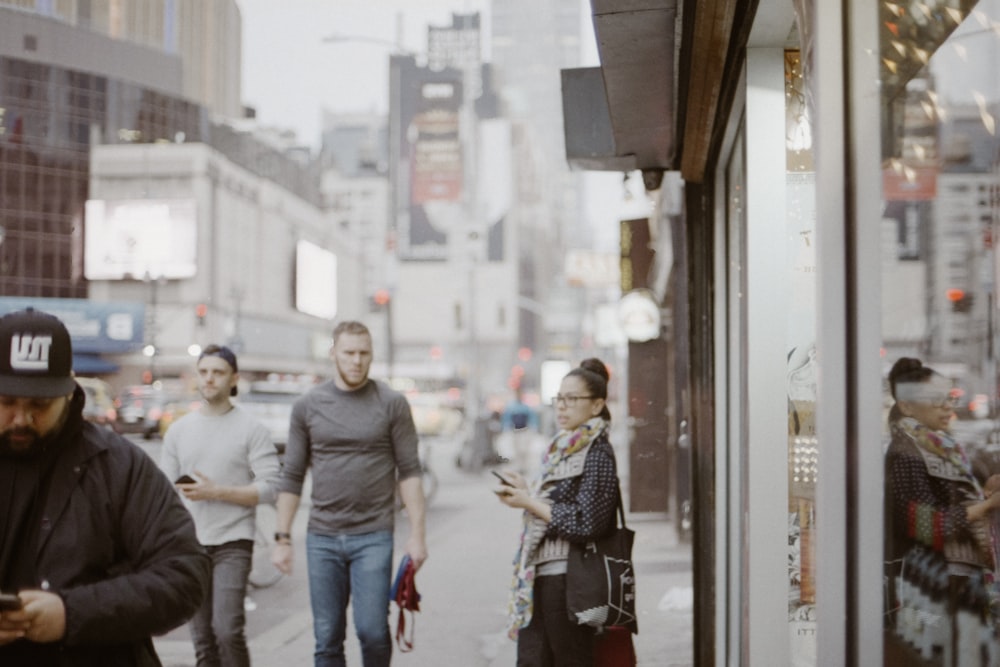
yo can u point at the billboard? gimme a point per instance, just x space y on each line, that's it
427 166
130 239
315 281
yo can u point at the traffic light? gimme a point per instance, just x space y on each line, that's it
380 299
199 312
961 301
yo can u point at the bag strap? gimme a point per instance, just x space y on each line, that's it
405 643
621 505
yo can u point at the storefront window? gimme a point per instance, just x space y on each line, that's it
803 446
940 86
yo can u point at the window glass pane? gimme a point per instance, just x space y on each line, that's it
803 446
940 82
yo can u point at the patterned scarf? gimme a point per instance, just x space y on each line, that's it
941 445
563 445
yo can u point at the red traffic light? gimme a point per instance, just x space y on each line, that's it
381 297
201 310
955 294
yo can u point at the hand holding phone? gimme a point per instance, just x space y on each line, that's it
185 479
9 602
503 480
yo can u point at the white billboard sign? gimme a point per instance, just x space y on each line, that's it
315 280
139 238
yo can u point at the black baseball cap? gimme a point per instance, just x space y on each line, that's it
36 355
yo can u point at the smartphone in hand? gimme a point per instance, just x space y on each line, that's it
185 479
503 480
9 602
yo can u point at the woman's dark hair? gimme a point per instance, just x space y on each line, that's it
906 370
595 375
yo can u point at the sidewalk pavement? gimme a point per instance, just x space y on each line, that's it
472 539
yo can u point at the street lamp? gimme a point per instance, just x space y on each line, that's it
150 349
396 44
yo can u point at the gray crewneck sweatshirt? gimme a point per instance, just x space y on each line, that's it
357 445
232 449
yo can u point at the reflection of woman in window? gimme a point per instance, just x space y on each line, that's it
932 497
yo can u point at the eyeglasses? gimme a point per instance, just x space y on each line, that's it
568 400
948 403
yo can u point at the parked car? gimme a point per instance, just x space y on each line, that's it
175 409
271 403
99 404
141 408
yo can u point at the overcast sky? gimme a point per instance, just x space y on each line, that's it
290 74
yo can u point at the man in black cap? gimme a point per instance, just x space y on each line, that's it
232 467
96 548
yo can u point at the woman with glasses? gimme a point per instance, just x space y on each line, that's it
934 501
573 498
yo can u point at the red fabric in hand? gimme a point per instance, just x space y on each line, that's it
404 594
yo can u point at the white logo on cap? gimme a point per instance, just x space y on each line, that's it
30 353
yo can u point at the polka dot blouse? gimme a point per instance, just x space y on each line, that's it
584 507
922 508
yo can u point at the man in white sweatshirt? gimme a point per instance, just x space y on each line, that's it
224 465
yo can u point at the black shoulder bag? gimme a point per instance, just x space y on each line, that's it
600 579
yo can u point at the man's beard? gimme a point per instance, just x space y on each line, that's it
22 450
34 444
350 383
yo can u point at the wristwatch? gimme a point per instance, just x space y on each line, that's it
283 537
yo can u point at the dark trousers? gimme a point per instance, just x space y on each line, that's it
551 639
217 628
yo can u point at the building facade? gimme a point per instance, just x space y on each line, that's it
268 272
205 35
840 177
454 307
116 188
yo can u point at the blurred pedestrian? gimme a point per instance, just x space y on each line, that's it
93 538
520 423
573 499
357 437
494 427
224 464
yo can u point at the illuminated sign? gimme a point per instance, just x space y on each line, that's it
639 316
133 239
315 280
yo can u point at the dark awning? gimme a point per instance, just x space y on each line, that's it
668 67
631 94
92 364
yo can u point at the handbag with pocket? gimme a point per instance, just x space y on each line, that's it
600 579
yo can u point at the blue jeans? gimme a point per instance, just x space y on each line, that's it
339 566
217 628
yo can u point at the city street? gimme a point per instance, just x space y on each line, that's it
472 539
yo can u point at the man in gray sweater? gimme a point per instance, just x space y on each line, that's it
358 437
225 464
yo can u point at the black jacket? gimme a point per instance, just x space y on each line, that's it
118 546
